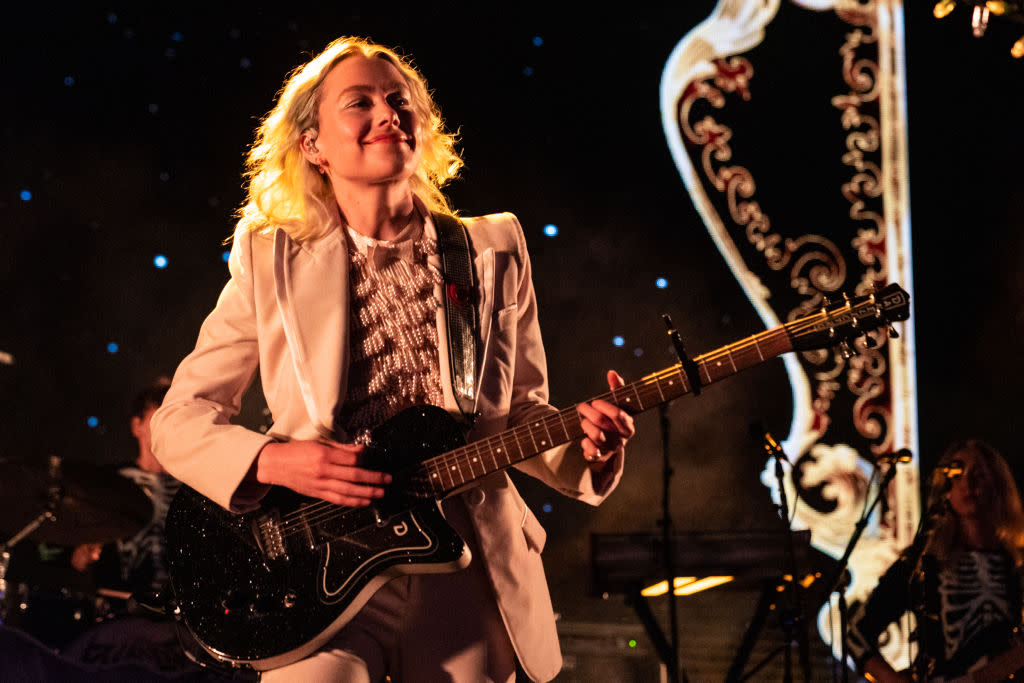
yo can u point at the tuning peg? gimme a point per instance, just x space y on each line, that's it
845 351
893 334
855 322
869 341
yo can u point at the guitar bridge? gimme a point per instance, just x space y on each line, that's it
267 530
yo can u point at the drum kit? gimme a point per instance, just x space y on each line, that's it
48 510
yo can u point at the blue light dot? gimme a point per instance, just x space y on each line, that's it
92 421
538 41
176 36
546 507
551 230
661 283
160 261
69 80
245 63
638 352
25 195
226 256
527 70
112 347
111 18
619 340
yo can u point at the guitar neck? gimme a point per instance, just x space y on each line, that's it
453 470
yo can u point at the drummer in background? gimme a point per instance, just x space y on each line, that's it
137 564
141 558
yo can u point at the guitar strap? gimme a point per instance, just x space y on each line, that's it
460 296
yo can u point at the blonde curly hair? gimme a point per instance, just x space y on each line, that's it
286 191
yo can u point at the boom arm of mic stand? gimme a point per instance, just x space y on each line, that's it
841 574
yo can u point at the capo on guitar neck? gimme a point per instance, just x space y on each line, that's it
689 366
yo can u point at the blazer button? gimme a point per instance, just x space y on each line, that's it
477 496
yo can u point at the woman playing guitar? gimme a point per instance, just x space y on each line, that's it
962 577
336 297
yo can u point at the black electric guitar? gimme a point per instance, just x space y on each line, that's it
269 587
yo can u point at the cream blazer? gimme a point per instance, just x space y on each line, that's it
285 312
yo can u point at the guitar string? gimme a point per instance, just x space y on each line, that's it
443 461
460 454
324 511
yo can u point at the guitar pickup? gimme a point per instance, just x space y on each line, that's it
267 530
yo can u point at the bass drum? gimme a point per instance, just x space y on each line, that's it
54 616
160 646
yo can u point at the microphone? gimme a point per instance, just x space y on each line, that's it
892 459
902 455
771 446
954 470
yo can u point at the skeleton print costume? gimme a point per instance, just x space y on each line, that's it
971 602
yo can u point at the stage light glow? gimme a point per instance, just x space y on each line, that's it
632 642
69 80
1018 48
160 261
112 347
92 421
225 256
551 230
176 36
661 588
527 70
111 18
538 41
25 195
546 507
661 283
702 584
997 7
619 340
684 585
943 8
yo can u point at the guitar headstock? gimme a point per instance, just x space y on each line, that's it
839 323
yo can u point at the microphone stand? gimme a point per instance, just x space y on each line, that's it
793 617
842 576
919 606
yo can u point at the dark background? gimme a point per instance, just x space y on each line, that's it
128 124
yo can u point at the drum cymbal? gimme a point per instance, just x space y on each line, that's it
96 504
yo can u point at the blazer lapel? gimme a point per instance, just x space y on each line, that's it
311 282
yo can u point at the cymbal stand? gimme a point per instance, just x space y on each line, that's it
54 494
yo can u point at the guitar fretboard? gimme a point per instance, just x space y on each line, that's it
445 473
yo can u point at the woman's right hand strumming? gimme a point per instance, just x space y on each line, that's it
321 469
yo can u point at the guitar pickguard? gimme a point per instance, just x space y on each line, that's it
396 537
